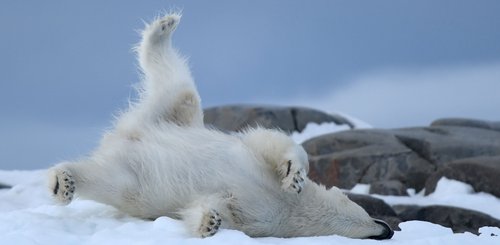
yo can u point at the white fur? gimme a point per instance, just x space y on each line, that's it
160 160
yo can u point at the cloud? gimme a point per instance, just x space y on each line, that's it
400 98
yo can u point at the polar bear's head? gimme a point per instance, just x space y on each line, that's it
329 212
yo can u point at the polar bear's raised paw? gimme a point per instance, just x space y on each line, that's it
210 223
63 186
169 23
294 177
164 25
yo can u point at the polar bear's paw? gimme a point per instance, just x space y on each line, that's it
210 223
164 26
63 186
294 177
281 155
169 23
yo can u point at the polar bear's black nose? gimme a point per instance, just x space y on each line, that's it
386 234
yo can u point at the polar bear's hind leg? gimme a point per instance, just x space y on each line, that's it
62 185
168 92
109 183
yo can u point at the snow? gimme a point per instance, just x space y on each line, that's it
356 122
449 193
312 130
28 216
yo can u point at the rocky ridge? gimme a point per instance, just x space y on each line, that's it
288 119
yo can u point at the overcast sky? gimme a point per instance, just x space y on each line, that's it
67 66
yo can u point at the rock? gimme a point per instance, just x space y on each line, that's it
346 158
443 144
4 186
377 209
303 116
465 122
482 173
373 206
389 188
458 219
408 155
289 119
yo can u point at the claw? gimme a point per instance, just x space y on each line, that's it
293 182
211 223
63 187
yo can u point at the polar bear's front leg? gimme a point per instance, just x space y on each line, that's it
203 223
280 153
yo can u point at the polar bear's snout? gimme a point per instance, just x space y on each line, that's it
387 232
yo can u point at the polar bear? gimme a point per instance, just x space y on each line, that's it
160 160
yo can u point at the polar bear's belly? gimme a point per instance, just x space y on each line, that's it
172 174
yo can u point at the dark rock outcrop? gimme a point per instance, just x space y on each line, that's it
408 155
466 122
482 173
288 119
377 209
443 144
389 188
458 219
4 186
364 156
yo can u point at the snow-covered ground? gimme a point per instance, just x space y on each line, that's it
448 193
313 129
28 216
